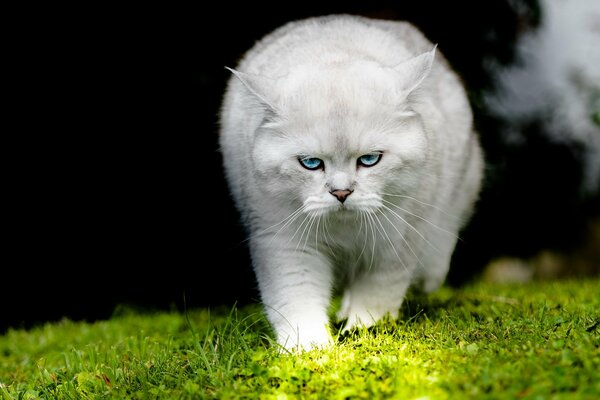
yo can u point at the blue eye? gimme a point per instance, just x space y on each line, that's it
368 160
311 163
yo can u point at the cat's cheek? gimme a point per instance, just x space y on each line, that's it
386 168
282 179
267 157
409 146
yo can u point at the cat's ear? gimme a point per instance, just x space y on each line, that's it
259 86
412 72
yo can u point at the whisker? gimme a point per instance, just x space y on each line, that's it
317 232
421 218
423 203
306 216
361 214
310 218
288 220
401 235
362 218
335 240
370 221
327 234
390 240
410 226
313 217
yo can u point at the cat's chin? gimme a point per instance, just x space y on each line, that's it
343 211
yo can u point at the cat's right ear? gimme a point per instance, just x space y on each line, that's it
260 87
414 71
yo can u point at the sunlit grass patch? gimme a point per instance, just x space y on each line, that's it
536 340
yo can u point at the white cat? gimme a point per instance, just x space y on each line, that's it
349 149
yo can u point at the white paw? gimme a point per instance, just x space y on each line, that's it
344 311
305 337
432 283
354 316
365 318
357 319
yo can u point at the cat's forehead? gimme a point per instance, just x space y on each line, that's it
337 89
338 109
338 135
328 73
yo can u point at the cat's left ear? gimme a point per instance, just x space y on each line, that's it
259 86
412 72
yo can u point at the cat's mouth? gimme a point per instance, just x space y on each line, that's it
318 207
340 209
346 209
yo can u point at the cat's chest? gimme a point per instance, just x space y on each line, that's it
348 236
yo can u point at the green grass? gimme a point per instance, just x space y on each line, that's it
540 340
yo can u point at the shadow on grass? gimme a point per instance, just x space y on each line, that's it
419 307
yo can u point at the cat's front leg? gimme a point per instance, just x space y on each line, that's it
295 286
373 295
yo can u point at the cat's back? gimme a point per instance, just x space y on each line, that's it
333 39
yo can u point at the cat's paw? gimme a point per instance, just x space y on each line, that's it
365 318
344 311
356 320
306 337
430 281
355 315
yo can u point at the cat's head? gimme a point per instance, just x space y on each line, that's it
338 137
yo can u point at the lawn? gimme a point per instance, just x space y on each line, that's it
533 341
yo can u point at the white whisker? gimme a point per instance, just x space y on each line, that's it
362 218
288 220
407 223
423 203
306 216
313 218
370 221
317 232
401 235
421 218
327 236
390 240
335 240
306 230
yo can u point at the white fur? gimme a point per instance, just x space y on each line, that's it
337 88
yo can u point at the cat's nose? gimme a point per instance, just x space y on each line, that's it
341 195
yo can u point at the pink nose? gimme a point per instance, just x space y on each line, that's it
341 195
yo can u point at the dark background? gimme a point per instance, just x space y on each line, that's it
119 197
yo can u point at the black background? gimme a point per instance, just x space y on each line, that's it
118 195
